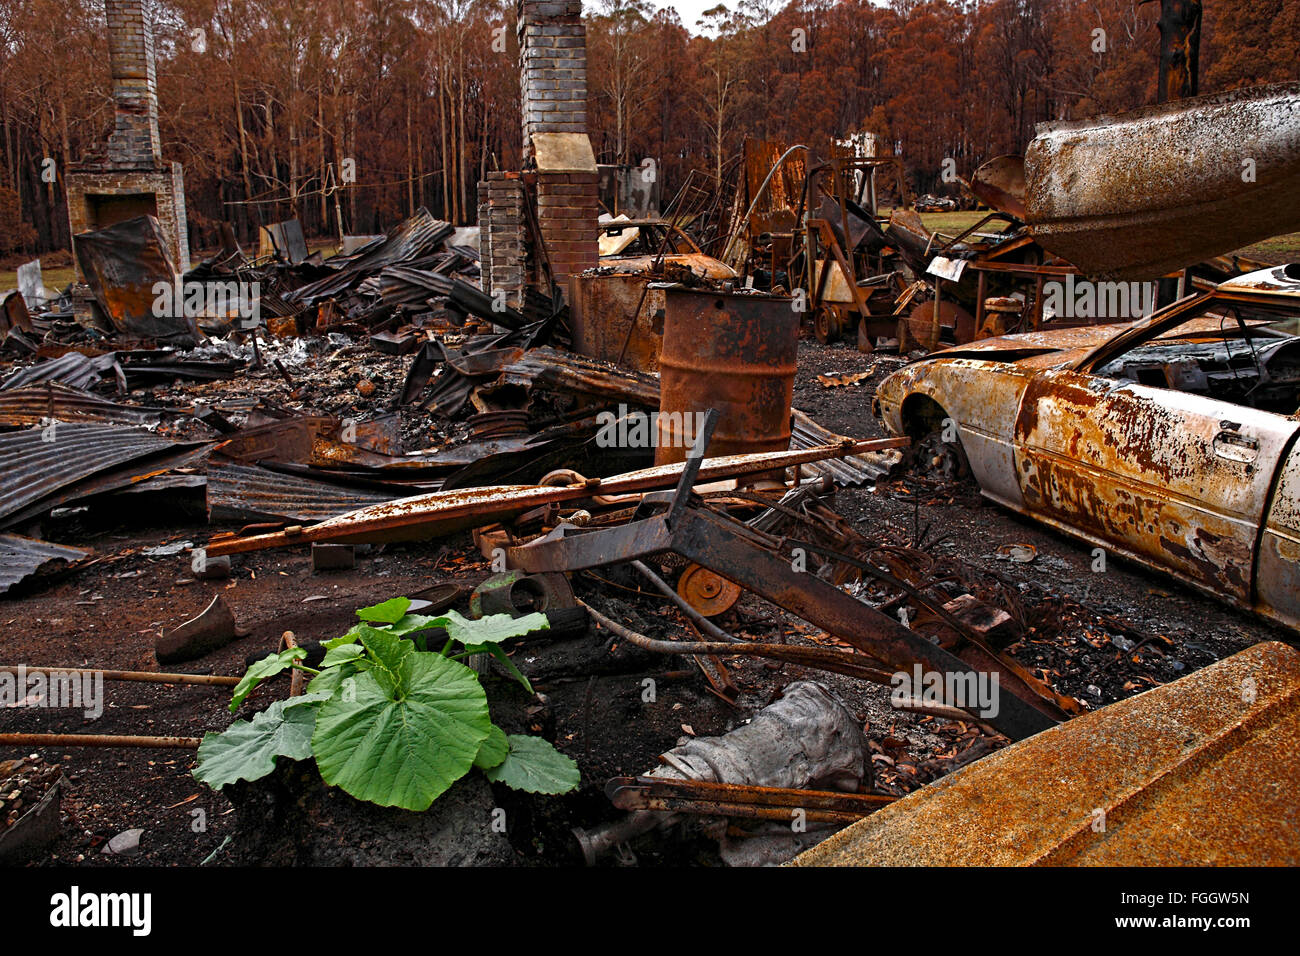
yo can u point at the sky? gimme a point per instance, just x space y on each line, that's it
690 10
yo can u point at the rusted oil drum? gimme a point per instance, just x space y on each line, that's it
733 352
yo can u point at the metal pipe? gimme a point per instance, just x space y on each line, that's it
146 677
97 740
817 657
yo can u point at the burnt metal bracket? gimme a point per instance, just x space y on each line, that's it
745 557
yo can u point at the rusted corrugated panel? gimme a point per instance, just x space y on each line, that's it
408 240
564 371
21 557
1141 194
24 407
1200 772
249 493
45 467
72 369
851 470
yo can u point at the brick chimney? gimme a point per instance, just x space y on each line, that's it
127 177
553 68
134 140
553 83
553 77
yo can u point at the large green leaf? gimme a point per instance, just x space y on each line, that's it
389 657
402 742
268 666
386 613
412 623
534 766
492 629
341 654
246 750
332 679
493 749
349 638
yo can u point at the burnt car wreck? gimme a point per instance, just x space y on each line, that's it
1171 441
797 522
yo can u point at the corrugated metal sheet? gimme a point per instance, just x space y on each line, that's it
21 557
411 239
566 372
24 407
248 493
44 468
71 368
851 471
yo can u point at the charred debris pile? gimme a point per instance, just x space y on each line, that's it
616 467
378 398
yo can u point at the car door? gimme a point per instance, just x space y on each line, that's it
1175 480
1277 584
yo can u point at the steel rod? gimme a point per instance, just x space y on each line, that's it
146 677
97 740
818 657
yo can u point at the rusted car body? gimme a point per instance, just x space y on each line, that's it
1171 441
1141 194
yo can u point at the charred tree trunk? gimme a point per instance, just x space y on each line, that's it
1180 49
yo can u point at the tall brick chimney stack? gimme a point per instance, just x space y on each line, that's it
553 74
553 79
134 140
127 177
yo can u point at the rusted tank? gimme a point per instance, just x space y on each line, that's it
601 303
1145 193
734 352
600 312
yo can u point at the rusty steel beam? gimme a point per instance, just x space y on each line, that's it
98 740
444 512
143 677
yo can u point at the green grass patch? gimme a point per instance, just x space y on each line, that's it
56 279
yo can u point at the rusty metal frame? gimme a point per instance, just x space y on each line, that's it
753 561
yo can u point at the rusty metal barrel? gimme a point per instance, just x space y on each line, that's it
733 352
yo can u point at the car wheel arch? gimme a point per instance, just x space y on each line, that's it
921 414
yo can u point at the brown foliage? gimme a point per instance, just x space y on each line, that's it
264 101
